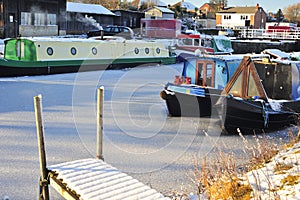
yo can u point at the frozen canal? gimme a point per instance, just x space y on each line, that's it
139 137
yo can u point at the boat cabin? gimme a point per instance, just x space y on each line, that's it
193 42
213 71
66 49
204 44
265 79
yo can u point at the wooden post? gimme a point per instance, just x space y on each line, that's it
100 100
44 192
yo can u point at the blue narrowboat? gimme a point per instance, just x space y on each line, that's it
197 90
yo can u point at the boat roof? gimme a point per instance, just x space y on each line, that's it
229 57
277 54
52 39
194 36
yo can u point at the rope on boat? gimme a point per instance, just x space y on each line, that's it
265 114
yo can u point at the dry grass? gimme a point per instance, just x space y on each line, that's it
290 180
281 168
220 177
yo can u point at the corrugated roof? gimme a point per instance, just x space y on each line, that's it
164 10
94 179
87 8
249 10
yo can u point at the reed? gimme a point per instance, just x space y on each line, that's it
220 177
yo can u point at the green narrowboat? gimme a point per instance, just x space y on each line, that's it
41 56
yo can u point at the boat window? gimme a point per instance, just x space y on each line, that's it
136 50
209 74
237 86
73 51
50 51
220 75
199 74
188 41
147 50
207 43
252 88
158 50
202 43
94 50
196 42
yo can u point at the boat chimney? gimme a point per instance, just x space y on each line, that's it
257 6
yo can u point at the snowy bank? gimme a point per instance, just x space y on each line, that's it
280 178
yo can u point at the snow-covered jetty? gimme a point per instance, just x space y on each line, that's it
91 178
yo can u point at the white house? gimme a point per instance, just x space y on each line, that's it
241 17
159 12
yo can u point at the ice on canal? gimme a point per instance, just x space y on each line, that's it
139 137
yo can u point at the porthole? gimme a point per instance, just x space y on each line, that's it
73 51
50 51
136 50
158 50
147 50
94 50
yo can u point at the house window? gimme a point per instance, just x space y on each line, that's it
51 19
26 18
227 17
39 19
244 17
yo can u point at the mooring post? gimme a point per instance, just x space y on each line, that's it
44 190
100 101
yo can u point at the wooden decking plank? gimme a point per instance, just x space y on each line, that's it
62 189
94 179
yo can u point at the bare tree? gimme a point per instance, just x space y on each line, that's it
292 13
279 16
110 4
218 4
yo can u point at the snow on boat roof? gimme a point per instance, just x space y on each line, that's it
277 53
88 8
95 179
229 57
54 39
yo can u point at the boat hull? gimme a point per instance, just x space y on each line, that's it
255 115
11 68
187 105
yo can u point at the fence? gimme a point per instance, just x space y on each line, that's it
270 34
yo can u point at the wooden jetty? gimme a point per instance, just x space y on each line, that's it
91 178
